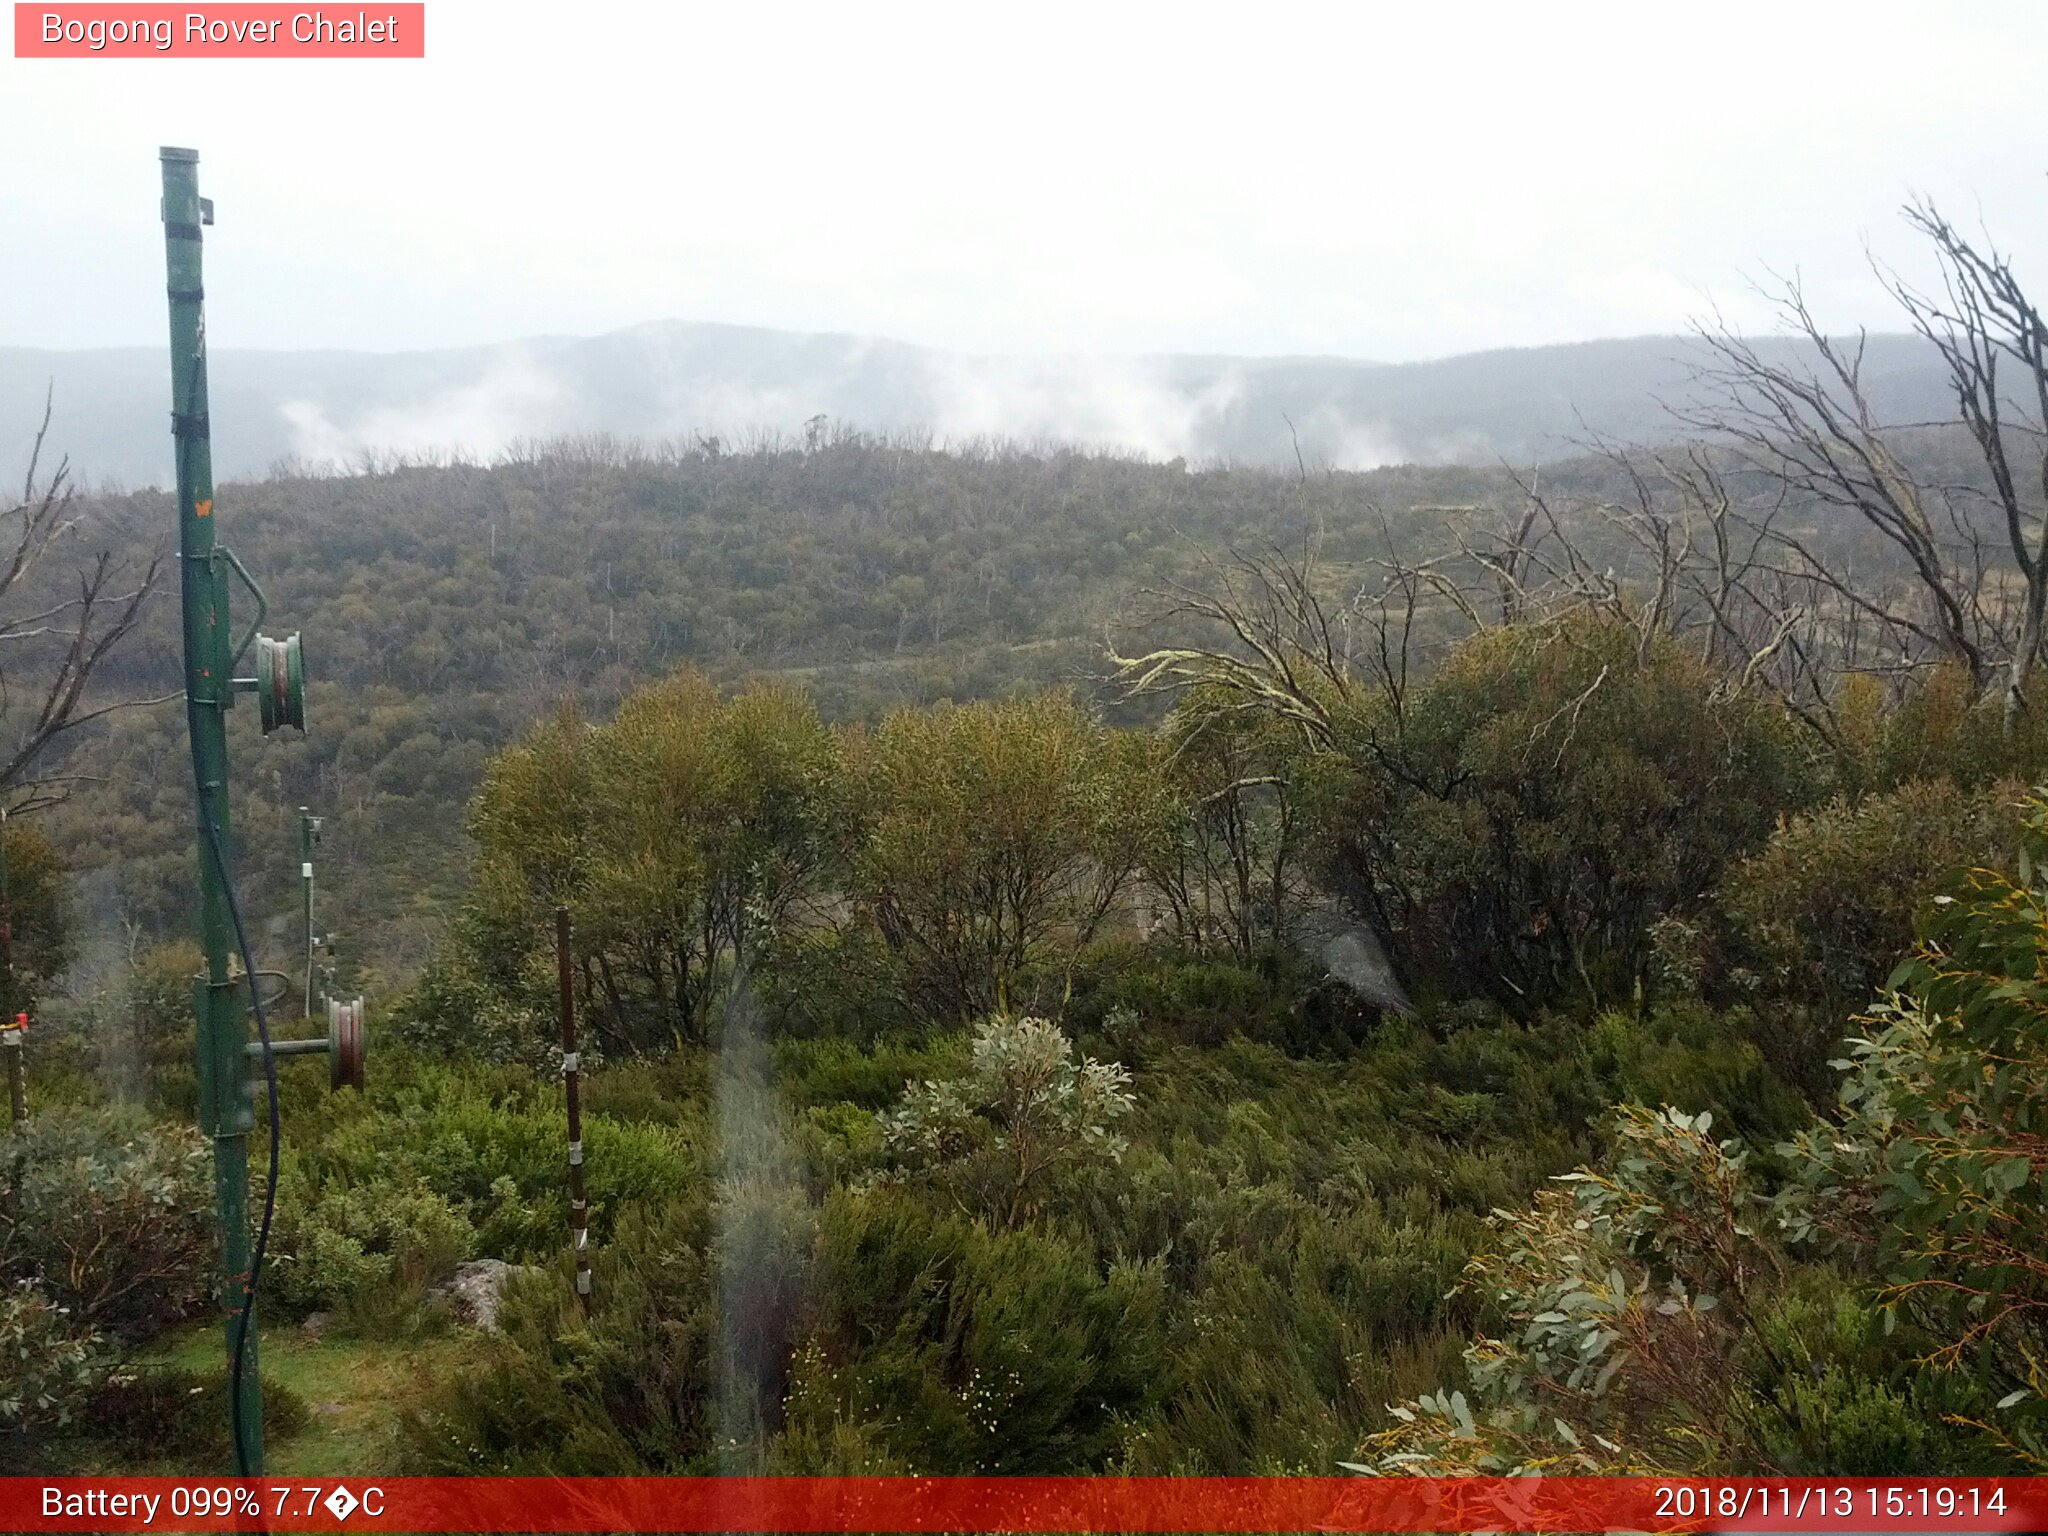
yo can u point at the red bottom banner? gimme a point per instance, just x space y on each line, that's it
972 1504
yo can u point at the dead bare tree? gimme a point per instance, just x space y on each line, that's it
1771 600
1292 644
55 638
1716 572
1813 428
1678 553
1290 656
1981 318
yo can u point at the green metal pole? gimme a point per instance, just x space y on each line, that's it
225 1111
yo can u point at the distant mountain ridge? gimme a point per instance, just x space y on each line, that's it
676 379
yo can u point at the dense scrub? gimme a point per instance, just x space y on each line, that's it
445 609
982 1078
1869 1304
1262 1262
843 1295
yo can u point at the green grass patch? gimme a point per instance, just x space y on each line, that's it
347 1396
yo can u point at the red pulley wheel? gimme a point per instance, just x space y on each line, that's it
345 1044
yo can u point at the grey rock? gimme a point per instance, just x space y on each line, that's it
1350 954
476 1290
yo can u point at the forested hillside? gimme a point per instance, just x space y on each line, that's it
446 609
1090 965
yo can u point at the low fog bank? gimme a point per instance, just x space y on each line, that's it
676 381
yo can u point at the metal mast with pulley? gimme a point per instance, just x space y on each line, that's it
212 652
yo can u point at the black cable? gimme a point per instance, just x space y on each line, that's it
227 885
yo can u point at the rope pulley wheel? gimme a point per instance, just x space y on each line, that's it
345 1044
280 683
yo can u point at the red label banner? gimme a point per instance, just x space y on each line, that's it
227 31
1034 1504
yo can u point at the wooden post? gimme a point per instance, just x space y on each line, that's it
11 1032
579 1205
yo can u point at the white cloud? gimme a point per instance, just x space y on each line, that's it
1116 403
516 398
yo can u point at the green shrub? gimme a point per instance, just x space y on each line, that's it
125 1027
462 1007
765 1234
838 1144
115 1219
1024 1115
648 1090
872 1075
1186 996
840 981
53 1366
1626 1294
632 1391
1262 1381
1929 1173
462 1135
1826 908
680 833
1527 813
1295 1330
1939 726
992 843
168 1415
960 1349
369 1251
1729 1062
39 911
1838 1394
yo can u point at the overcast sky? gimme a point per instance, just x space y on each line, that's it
1380 181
